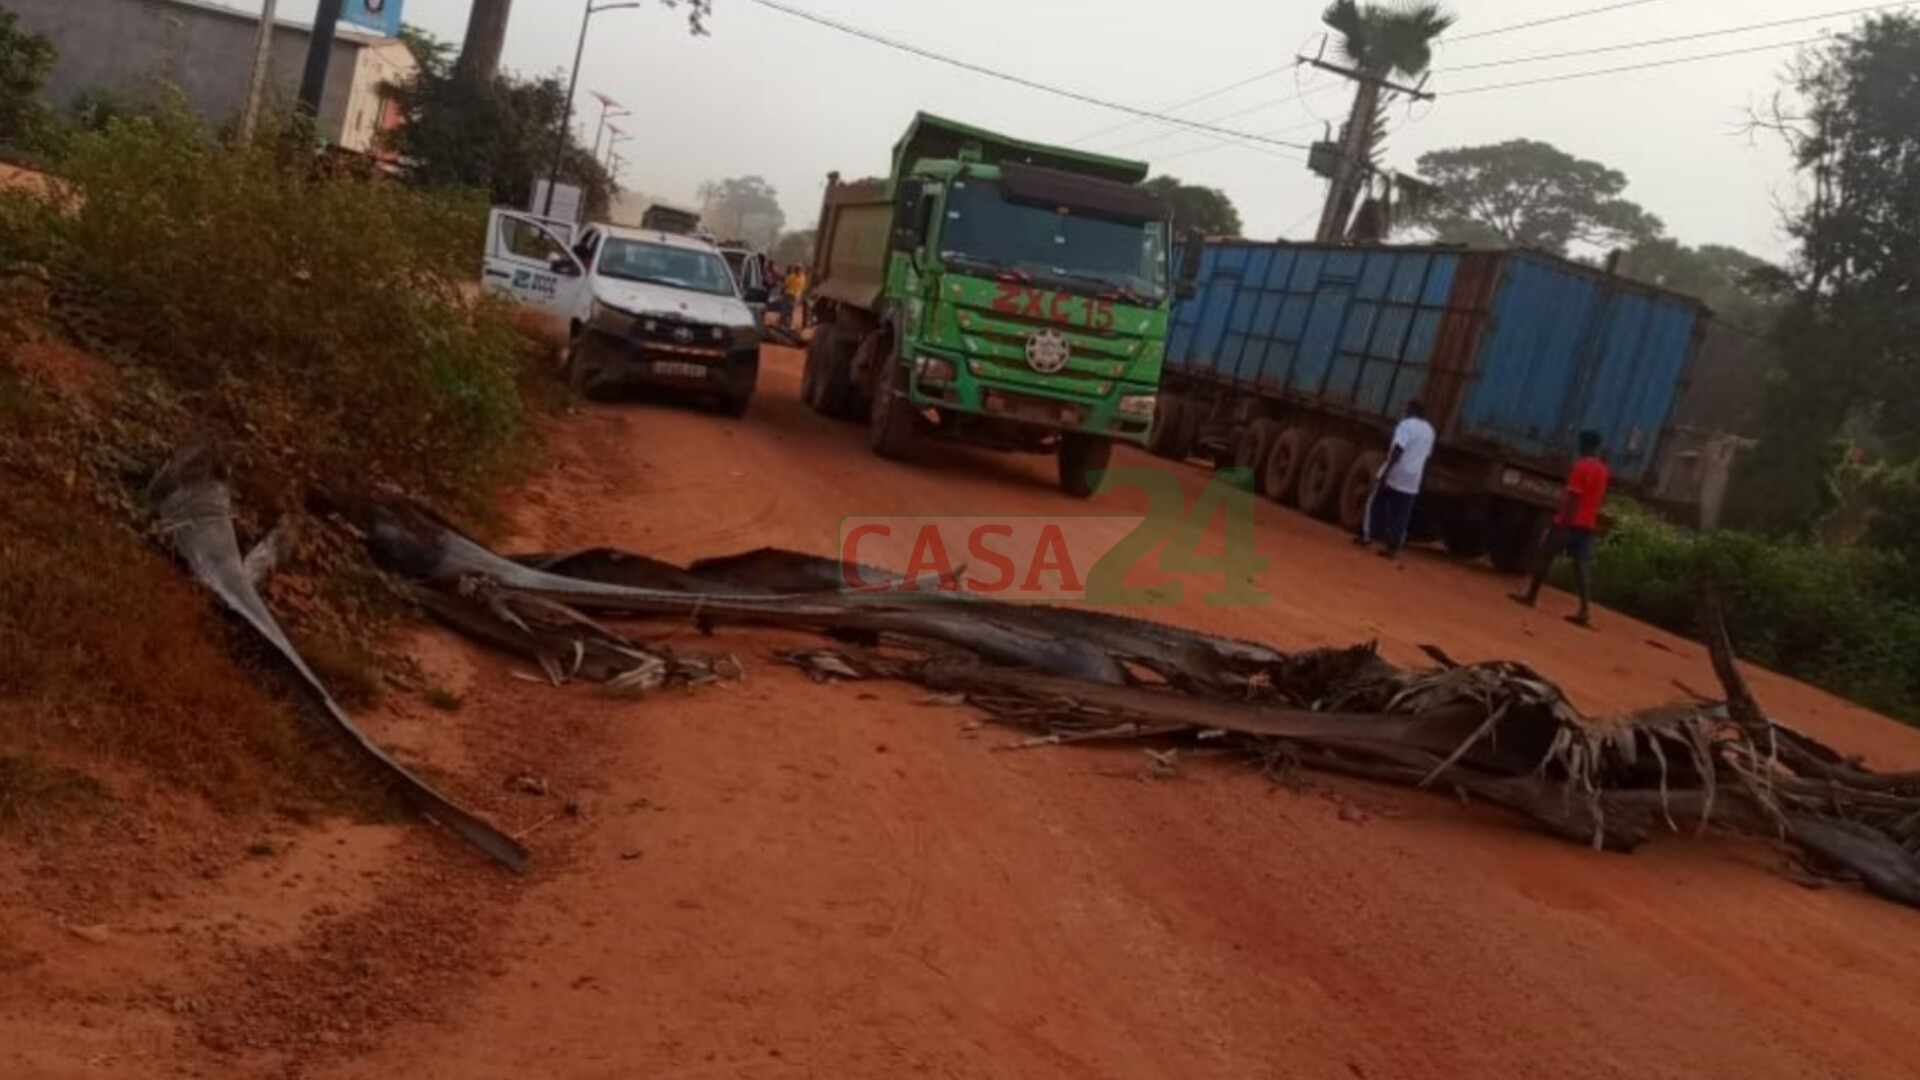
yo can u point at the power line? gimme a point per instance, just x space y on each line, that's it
1550 20
1258 107
1635 67
1017 80
1208 96
1679 38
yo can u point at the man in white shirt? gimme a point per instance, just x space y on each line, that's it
1390 510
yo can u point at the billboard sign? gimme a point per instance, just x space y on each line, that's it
379 16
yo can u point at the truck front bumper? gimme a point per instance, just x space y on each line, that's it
618 360
948 384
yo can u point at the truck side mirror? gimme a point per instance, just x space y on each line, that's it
909 215
1191 249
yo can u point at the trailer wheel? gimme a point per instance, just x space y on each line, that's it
1250 451
1285 462
891 419
1357 491
1079 456
1168 419
1464 533
1513 543
1325 477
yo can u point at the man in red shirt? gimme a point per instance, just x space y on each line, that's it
1573 527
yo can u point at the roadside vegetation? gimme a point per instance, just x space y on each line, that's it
321 331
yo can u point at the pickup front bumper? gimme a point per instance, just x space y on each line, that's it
608 358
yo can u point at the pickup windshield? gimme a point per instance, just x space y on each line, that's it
1069 250
662 264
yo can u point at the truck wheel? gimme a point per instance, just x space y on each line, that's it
1285 462
1164 438
810 373
1513 543
1464 533
582 374
834 392
1358 489
1253 448
739 397
1325 477
1079 456
1193 414
891 419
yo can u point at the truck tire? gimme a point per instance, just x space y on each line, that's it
582 374
1285 462
1513 542
1325 477
1251 451
810 372
891 419
1079 456
1358 490
1464 533
739 397
834 392
1193 414
1163 440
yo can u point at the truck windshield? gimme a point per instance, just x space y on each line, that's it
1069 250
662 264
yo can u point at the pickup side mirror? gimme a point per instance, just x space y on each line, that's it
757 294
564 266
909 216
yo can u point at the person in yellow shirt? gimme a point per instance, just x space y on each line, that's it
796 286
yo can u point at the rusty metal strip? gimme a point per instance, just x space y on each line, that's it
195 513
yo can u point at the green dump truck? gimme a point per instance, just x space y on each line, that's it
993 291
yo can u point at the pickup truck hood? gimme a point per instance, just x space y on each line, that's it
639 298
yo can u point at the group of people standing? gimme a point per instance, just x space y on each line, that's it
787 295
1396 489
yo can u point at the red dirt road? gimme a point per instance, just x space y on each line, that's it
778 879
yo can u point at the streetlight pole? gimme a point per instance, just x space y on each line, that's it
573 83
618 138
607 113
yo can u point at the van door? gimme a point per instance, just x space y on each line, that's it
529 262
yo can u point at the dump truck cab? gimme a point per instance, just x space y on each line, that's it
994 291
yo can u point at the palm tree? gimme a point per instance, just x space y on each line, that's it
486 39
1378 41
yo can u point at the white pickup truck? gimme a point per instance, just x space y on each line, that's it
635 306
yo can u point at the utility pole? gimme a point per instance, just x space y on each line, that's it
565 134
313 83
1350 164
262 64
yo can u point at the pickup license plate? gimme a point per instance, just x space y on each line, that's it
677 370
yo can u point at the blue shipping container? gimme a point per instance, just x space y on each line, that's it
1514 352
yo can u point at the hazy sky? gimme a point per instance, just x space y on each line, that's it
772 95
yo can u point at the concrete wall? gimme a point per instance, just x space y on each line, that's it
132 47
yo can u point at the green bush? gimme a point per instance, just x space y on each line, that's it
1836 617
321 328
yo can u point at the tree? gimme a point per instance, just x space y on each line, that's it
794 247
1742 289
743 208
496 136
1850 334
1531 194
1378 41
485 42
26 59
1195 207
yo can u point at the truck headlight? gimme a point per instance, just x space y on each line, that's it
1138 406
933 369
